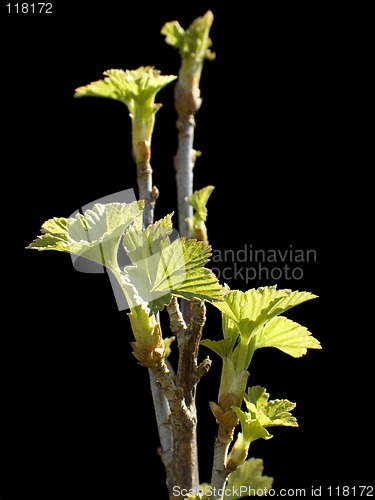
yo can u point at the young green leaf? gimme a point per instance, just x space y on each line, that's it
252 304
194 47
261 414
149 347
177 270
269 413
231 333
251 431
253 316
198 200
248 480
131 87
142 243
251 428
230 329
174 34
94 235
142 323
194 43
137 90
221 347
232 382
286 335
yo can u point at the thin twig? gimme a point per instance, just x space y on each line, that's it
180 419
146 191
219 470
187 103
177 322
193 49
184 162
188 375
149 193
188 343
162 413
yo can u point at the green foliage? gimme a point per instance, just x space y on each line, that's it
248 480
149 347
142 243
193 44
260 415
256 306
160 268
95 235
269 413
132 87
233 381
137 90
250 321
287 336
142 323
198 200
177 270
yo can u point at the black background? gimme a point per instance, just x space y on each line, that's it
76 413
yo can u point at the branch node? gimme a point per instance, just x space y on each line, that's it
154 193
177 323
179 393
203 368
